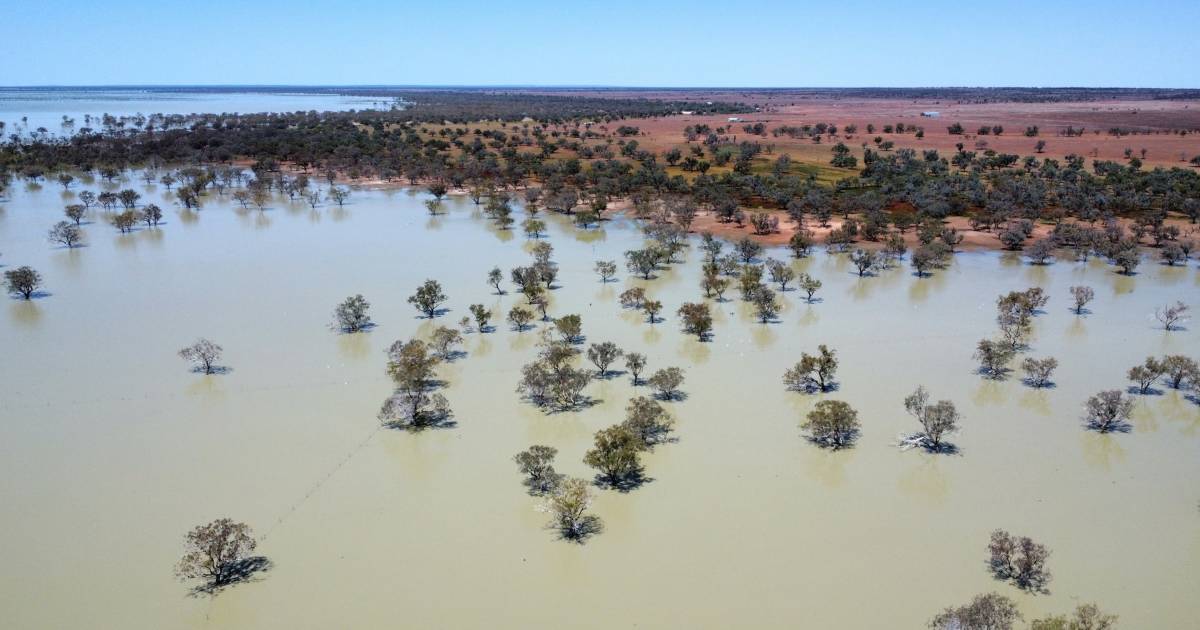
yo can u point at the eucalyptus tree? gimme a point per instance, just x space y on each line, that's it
22 281
351 316
428 297
832 424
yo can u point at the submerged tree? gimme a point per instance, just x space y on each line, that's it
809 285
635 362
993 358
990 611
428 298
65 233
696 318
606 269
648 420
1082 295
495 277
1108 411
482 316
603 355
832 423
1039 371
351 315
1018 559
1172 316
22 281
667 381
616 455
1178 369
570 328
204 355
1145 374
813 372
520 317
415 409
1085 617
537 464
568 505
219 554
937 421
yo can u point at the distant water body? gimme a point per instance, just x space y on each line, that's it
25 110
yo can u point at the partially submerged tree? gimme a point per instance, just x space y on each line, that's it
495 277
1082 295
65 233
1039 371
482 316
606 269
990 611
428 298
351 315
809 285
635 362
602 355
832 423
1145 374
218 553
204 354
568 505
937 421
1172 316
648 420
697 319
616 455
813 372
23 281
993 358
1179 369
520 317
1018 559
667 381
445 341
1108 411
415 409
1085 617
537 464
570 328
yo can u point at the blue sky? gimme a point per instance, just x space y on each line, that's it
1151 43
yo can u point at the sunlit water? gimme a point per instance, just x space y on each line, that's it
24 110
111 449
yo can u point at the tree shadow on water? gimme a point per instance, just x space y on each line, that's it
588 526
242 571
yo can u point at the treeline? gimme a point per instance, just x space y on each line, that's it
581 166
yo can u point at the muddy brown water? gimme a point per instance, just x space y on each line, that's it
111 449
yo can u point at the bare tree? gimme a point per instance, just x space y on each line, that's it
991 611
65 233
1172 316
204 354
1019 559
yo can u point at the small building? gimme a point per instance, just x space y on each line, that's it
687 112
930 114
734 119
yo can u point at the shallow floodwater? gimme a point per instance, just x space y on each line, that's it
111 449
24 110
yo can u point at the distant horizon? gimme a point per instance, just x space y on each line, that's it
579 86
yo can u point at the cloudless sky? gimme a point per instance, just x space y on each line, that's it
1143 43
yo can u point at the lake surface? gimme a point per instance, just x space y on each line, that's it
47 107
111 449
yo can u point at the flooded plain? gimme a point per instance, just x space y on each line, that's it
111 449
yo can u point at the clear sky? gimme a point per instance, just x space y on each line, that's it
1144 43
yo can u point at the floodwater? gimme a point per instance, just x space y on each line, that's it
111 449
24 110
